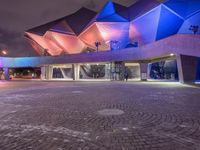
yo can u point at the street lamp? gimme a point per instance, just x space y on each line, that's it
194 28
3 53
97 44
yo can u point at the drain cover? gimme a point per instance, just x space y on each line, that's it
77 92
110 112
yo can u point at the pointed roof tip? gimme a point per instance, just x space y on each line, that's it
41 29
141 7
107 10
83 8
113 9
122 10
115 3
78 20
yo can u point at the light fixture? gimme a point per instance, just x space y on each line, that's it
4 52
171 54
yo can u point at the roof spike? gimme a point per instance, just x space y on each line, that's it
107 10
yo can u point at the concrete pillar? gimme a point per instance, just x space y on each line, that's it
76 72
143 71
112 68
187 68
107 71
6 74
49 71
43 76
46 72
118 71
122 71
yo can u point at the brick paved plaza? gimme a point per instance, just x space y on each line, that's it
99 116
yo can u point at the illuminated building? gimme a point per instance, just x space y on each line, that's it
104 45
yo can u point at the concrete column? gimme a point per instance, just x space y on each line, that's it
122 71
76 70
107 71
6 74
46 72
43 73
187 68
144 71
49 71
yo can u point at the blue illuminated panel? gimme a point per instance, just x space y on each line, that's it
107 10
169 23
144 28
185 8
194 21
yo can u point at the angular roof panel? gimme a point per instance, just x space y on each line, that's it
41 30
194 20
169 23
47 44
144 29
62 27
141 7
185 8
107 10
112 12
92 35
76 22
69 43
122 10
79 20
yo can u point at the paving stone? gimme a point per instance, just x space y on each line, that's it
99 116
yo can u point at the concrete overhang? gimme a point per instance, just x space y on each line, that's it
180 44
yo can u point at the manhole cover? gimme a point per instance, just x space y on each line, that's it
77 92
110 112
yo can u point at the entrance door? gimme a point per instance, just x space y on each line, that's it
117 71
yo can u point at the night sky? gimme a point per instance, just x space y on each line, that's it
16 16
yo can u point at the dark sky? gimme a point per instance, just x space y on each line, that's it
16 16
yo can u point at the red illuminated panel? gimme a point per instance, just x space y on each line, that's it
92 35
36 46
69 43
47 44
115 31
135 35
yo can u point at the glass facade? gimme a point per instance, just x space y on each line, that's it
133 70
62 72
163 70
94 71
114 71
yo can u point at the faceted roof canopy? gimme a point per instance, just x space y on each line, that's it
115 26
